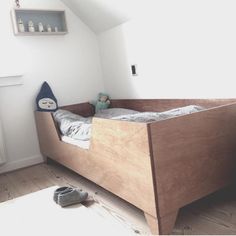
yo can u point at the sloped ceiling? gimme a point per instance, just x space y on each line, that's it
101 15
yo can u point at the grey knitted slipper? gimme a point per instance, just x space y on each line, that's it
71 197
60 190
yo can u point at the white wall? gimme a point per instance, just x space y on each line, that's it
183 49
70 63
101 15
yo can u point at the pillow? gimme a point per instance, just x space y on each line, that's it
61 114
73 125
112 112
45 100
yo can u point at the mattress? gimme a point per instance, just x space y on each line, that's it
76 142
76 129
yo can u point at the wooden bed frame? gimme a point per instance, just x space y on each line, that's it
159 167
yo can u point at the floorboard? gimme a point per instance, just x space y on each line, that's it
215 214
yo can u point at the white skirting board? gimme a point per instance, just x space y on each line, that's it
11 80
14 165
2 146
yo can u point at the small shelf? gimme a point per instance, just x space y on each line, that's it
54 18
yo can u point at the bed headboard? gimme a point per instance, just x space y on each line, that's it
165 104
83 109
86 109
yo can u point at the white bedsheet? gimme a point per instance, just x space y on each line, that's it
79 143
76 130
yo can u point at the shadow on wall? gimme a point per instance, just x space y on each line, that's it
116 63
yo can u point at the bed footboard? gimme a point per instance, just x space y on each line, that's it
192 156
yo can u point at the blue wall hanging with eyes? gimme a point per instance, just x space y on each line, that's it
45 100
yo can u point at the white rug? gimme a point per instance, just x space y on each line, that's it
36 214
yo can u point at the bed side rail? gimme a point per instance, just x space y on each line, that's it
193 155
166 104
121 150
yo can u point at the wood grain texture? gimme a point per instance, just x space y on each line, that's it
153 223
170 163
121 150
101 202
213 215
194 155
117 160
166 104
167 223
83 109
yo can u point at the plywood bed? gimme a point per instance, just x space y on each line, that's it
160 166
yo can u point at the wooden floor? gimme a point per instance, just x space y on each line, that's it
215 214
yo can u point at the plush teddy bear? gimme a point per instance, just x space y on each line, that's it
103 102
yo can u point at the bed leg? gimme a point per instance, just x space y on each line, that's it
167 222
163 225
152 223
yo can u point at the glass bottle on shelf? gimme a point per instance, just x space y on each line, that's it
21 26
40 26
49 29
31 26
